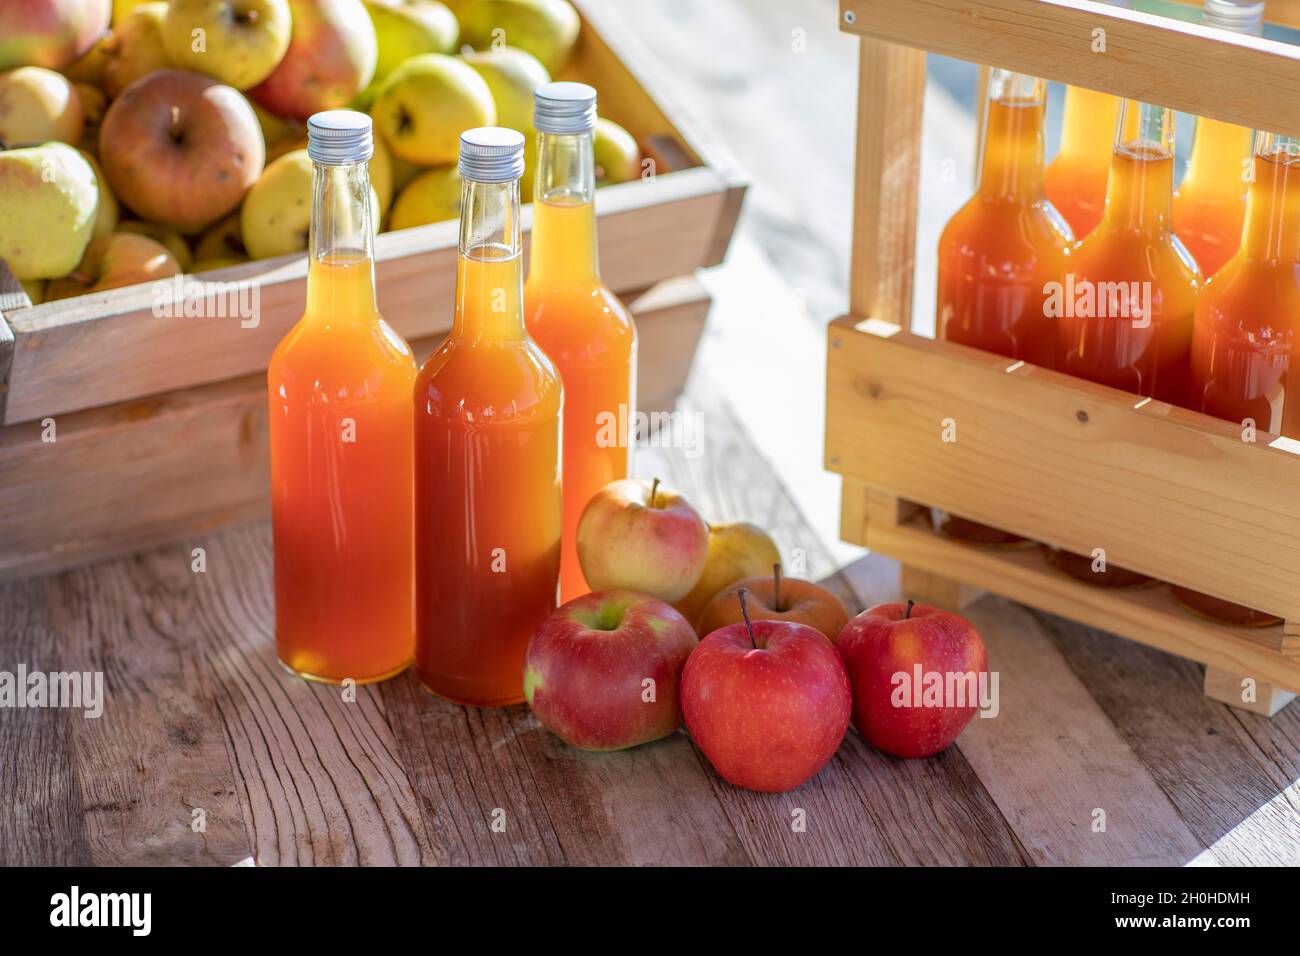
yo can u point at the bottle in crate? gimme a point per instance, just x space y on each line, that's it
488 407
340 434
1248 327
573 316
1210 202
1076 177
1126 301
1000 249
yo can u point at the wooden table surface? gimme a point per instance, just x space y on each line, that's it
200 715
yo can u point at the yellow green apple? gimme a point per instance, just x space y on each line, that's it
331 58
737 550
111 262
275 219
122 9
617 156
50 33
381 177
426 103
134 48
181 149
48 200
547 29
38 105
512 75
433 196
407 28
107 211
237 41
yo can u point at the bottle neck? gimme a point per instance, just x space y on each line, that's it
1272 229
1140 188
1011 161
341 246
1218 149
489 277
564 212
1086 112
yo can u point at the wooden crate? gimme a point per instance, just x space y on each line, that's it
160 422
1165 491
96 350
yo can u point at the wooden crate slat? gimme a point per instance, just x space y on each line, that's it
1165 491
122 477
1147 615
1247 80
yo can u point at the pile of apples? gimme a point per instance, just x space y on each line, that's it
144 138
694 624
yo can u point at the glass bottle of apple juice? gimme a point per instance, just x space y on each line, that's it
1000 250
340 427
574 316
1210 202
1075 180
488 406
1130 291
1248 327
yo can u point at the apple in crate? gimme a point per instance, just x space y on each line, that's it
642 536
916 676
774 597
331 58
602 672
767 702
50 33
181 149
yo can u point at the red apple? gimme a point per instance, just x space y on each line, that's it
181 149
642 536
331 58
587 669
773 597
915 673
50 33
767 702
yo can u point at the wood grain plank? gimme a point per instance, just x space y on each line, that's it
158 752
1233 777
318 778
1245 80
1051 758
42 823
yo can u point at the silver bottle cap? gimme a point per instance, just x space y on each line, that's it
1240 17
564 108
491 154
340 137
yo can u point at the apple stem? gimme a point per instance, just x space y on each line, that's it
776 587
908 612
654 488
743 593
